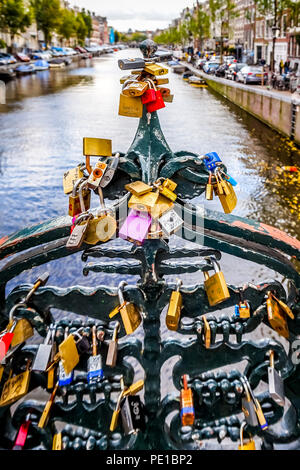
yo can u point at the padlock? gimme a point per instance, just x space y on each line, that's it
15 387
71 176
168 99
75 201
136 226
209 189
206 332
244 309
68 354
132 390
229 199
277 316
135 87
187 412
130 315
211 160
174 309
250 445
127 64
165 92
257 407
127 77
229 178
57 441
161 81
157 104
162 205
170 222
149 94
132 415
43 353
112 352
51 374
22 330
96 175
22 433
130 106
138 188
164 188
103 226
46 412
110 171
215 286
248 406
145 202
155 69
94 147
276 385
77 236
94 365
64 379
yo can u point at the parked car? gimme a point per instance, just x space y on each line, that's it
210 67
229 59
215 58
22 57
80 49
9 58
3 59
232 71
220 71
251 74
200 62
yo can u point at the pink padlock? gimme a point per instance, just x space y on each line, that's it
136 226
22 434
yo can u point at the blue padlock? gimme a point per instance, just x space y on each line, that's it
236 311
230 179
63 378
210 161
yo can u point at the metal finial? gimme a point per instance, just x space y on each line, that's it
148 48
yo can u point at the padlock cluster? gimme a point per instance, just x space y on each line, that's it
143 87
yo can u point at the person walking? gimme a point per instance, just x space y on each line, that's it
281 65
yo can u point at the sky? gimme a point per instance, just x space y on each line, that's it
135 14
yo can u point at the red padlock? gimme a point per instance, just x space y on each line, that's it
149 94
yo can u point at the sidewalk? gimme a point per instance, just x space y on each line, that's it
280 95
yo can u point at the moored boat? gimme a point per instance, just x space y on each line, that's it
197 82
41 65
187 75
25 69
56 63
7 74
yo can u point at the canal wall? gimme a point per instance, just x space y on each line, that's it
279 111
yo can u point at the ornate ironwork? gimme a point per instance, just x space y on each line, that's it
217 395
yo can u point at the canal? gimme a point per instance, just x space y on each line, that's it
48 114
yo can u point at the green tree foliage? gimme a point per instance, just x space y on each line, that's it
81 29
47 14
138 37
15 17
87 18
67 27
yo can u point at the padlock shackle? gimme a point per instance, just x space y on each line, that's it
116 331
271 358
242 432
120 291
178 284
14 308
76 184
185 384
82 185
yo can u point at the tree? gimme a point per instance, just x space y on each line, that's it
81 29
117 36
200 25
67 27
138 37
14 17
87 18
47 15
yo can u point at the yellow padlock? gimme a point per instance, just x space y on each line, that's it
215 286
250 445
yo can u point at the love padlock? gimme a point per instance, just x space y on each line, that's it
157 103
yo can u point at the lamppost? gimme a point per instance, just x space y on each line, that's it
275 28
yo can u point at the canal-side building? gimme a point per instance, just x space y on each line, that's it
293 55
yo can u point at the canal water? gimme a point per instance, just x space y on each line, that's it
41 131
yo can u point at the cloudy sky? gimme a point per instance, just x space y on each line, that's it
135 14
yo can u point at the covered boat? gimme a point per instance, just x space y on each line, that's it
41 65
